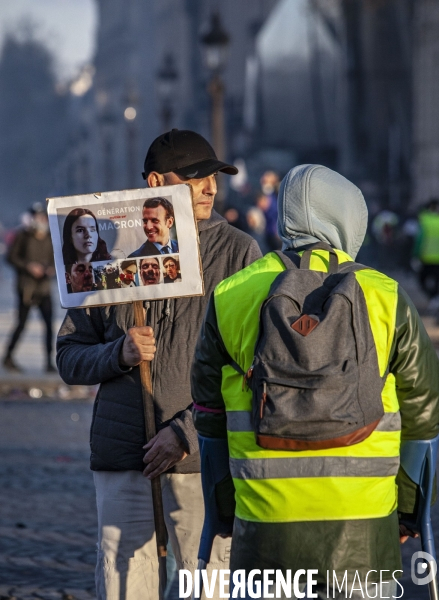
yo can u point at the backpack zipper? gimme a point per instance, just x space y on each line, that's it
263 400
247 377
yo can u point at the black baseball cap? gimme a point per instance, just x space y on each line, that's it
186 153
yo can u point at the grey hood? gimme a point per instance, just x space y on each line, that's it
319 205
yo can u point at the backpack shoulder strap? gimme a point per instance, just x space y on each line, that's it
352 267
333 258
303 262
235 366
290 258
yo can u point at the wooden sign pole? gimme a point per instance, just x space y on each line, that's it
148 411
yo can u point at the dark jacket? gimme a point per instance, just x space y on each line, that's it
148 249
362 544
90 340
167 279
27 248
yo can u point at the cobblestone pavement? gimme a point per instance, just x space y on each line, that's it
47 507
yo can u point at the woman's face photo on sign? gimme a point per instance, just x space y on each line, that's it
81 239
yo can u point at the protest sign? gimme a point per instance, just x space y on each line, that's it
125 246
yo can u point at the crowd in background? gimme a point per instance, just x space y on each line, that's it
394 242
255 212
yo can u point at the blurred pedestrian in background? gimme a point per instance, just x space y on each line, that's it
256 227
267 202
31 254
236 218
409 235
256 214
427 249
385 230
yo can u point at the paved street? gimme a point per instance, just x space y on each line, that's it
47 506
47 509
47 514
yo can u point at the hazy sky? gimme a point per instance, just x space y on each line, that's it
286 32
66 26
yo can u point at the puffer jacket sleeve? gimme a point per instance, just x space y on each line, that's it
83 357
415 365
206 376
253 253
182 423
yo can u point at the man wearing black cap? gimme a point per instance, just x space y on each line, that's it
186 157
101 345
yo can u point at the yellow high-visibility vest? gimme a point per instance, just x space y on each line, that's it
429 248
354 482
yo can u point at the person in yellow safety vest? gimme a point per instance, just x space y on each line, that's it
318 509
427 248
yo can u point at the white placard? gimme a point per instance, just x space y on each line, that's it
115 247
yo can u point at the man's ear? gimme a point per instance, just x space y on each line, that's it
155 179
68 280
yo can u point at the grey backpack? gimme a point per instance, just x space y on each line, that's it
315 376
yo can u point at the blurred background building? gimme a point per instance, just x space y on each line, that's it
350 84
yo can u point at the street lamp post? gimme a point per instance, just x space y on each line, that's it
130 115
166 80
215 44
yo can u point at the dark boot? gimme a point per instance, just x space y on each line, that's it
10 365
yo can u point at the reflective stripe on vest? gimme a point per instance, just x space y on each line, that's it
353 482
240 420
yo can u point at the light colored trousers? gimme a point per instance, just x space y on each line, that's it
127 564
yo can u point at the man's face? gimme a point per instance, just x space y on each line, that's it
131 270
204 192
129 273
81 277
150 271
171 269
156 225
